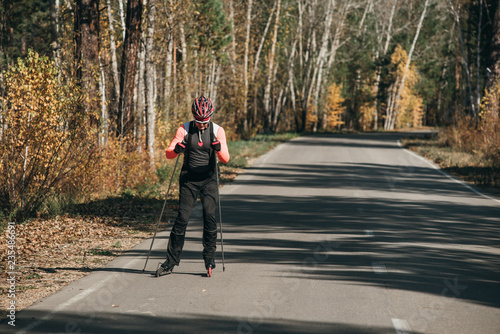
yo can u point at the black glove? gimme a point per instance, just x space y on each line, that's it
179 148
216 145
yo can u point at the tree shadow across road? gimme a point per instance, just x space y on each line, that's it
120 323
425 231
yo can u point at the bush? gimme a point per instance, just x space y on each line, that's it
46 141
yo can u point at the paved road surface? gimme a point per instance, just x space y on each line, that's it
325 234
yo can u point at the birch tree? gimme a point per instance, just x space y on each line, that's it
494 56
245 65
391 116
150 82
270 69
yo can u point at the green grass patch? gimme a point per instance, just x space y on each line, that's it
243 151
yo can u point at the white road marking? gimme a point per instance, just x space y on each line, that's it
401 326
434 166
369 233
379 268
73 300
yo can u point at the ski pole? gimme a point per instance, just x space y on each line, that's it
161 215
220 217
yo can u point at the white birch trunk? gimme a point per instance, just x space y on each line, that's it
150 82
122 17
140 94
245 66
261 44
168 70
318 71
217 80
336 38
407 66
114 61
103 140
267 91
184 61
233 37
478 57
300 33
257 59
377 78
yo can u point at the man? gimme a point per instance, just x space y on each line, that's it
202 142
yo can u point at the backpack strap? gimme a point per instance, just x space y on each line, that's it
187 140
186 127
212 136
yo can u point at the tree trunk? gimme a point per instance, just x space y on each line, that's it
168 75
256 62
494 57
114 61
55 11
150 82
140 94
103 136
122 18
185 75
322 56
267 92
128 68
169 63
377 78
478 57
233 38
465 63
87 52
245 67
407 66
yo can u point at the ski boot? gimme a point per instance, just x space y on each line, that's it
164 269
209 265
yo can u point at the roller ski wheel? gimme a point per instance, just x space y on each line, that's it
210 265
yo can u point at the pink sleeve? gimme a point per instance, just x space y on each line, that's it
179 137
223 154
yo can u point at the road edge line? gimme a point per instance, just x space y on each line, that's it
437 168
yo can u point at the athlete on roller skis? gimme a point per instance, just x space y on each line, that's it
202 142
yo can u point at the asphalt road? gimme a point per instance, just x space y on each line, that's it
325 234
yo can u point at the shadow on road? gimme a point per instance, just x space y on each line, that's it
111 323
405 221
424 245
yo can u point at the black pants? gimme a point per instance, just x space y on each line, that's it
188 193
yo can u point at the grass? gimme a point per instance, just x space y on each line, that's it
476 168
243 151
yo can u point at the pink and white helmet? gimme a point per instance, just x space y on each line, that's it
202 110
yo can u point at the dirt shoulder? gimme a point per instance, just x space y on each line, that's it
473 168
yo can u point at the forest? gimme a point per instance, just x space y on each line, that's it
92 91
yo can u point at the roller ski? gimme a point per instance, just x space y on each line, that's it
209 265
164 269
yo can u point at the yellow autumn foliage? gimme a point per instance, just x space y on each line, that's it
311 117
334 108
410 106
45 141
